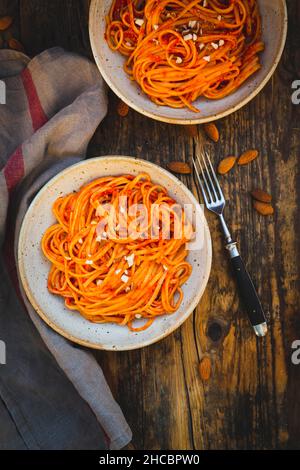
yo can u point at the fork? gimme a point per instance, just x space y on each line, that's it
215 202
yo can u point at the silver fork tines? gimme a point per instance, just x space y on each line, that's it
209 184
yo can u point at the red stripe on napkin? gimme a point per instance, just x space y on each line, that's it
14 169
37 113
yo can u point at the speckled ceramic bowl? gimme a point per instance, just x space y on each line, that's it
34 268
274 23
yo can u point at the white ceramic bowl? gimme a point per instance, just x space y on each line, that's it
274 25
34 267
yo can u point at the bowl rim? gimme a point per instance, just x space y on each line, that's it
169 120
30 296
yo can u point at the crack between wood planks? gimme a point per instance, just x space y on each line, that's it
191 431
198 347
143 396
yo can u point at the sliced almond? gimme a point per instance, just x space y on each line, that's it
211 131
226 164
5 22
181 168
130 260
205 368
263 208
247 157
139 21
192 23
261 195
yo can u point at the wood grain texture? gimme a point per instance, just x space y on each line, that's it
252 398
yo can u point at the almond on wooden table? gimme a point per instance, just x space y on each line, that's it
211 131
181 168
247 157
226 164
15 45
261 195
123 108
5 22
205 368
263 208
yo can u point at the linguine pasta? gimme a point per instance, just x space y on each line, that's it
180 50
108 262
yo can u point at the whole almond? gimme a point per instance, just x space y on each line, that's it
211 131
261 195
205 368
5 22
226 164
263 208
123 109
247 157
192 130
15 44
182 168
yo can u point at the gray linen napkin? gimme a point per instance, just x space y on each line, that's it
54 104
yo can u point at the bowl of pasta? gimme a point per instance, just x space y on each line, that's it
114 253
189 61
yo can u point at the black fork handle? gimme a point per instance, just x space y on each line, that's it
247 292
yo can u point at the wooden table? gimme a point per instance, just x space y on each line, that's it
252 400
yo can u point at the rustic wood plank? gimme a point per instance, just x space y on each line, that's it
252 398
46 24
9 8
244 405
